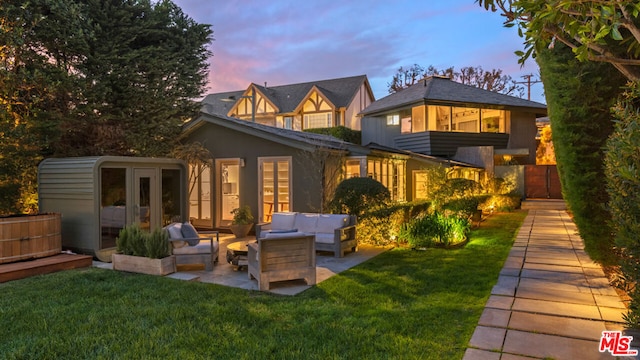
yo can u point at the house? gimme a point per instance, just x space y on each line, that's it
439 117
445 119
318 104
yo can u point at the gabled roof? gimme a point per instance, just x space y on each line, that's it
298 139
287 97
439 90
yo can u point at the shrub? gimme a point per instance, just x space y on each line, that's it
462 207
157 244
132 240
500 202
622 168
435 229
381 226
340 132
580 129
356 195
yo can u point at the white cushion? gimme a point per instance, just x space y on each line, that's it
282 221
284 235
204 247
325 238
306 223
329 223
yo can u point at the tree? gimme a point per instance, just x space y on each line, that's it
92 78
141 67
492 80
603 31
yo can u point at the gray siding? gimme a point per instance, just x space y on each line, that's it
523 133
223 143
439 143
375 130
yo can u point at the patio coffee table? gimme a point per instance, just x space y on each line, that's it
237 254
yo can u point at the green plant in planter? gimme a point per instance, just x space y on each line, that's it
242 215
134 241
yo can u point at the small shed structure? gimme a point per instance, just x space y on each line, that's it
98 196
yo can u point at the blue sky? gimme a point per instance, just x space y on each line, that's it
283 42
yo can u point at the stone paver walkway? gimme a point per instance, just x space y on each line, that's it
551 300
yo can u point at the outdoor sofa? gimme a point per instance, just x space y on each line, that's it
332 232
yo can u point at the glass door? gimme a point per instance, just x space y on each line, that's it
275 186
228 171
144 190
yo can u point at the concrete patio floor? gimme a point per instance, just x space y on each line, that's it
226 274
551 300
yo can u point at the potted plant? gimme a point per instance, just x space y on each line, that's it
143 252
242 221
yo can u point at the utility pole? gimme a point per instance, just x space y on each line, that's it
529 82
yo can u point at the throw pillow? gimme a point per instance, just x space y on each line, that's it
190 234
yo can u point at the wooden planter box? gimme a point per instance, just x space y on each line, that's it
144 265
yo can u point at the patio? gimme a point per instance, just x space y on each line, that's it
226 274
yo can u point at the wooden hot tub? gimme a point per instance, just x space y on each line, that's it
25 237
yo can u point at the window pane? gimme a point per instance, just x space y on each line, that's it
352 168
493 120
465 119
171 196
418 119
420 182
113 204
439 118
321 120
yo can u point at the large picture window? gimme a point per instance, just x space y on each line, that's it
319 120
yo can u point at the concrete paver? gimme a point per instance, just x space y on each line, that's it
551 300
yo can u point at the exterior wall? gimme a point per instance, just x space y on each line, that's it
375 130
72 187
227 143
523 133
361 100
481 156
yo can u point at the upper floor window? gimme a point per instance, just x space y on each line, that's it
393 119
318 120
287 122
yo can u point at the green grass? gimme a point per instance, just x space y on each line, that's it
402 304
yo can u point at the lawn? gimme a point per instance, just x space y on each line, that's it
402 304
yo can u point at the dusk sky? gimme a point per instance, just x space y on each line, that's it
291 41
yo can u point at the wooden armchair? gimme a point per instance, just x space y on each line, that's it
189 247
281 257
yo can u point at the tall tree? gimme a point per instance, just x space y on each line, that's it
94 77
492 80
143 65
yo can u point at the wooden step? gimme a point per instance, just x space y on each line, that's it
23 269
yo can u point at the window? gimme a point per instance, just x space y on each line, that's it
200 192
391 174
113 202
171 185
288 122
465 119
393 119
352 169
493 120
420 183
275 186
319 120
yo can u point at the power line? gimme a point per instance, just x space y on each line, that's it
529 82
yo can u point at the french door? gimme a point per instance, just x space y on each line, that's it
228 189
274 186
